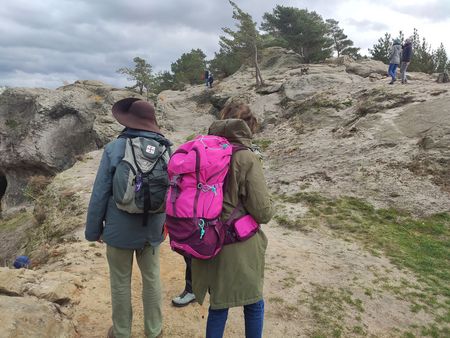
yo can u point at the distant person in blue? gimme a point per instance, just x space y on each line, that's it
406 58
394 59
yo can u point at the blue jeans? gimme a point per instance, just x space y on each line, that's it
392 70
253 315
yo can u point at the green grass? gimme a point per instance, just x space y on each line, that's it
276 299
329 307
421 245
13 124
263 144
15 221
190 137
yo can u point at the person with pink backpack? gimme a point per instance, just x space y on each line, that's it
217 200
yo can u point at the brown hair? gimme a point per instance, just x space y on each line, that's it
241 111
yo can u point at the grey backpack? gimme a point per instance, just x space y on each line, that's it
141 181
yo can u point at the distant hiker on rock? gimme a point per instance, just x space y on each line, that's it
210 80
206 77
406 58
235 276
394 59
126 211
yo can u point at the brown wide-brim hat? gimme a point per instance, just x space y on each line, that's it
136 114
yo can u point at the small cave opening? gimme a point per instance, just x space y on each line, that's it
3 186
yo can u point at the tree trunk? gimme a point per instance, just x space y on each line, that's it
259 79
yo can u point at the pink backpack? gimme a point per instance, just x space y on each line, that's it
197 171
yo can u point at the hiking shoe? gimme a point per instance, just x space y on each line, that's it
110 333
392 82
184 299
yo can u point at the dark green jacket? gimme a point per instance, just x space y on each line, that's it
235 276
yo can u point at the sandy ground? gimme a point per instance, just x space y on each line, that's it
302 268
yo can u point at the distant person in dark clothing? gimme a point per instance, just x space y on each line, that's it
210 80
406 58
206 77
394 59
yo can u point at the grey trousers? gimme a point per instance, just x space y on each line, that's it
403 68
120 267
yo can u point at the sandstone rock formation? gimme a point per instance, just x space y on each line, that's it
342 130
30 304
335 130
42 130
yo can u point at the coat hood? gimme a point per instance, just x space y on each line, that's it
234 130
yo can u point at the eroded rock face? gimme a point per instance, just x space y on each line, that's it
57 287
365 68
30 303
27 317
42 130
340 129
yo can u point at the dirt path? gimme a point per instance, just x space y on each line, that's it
312 277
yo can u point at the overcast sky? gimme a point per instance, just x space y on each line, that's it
45 43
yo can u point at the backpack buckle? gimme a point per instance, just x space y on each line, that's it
201 224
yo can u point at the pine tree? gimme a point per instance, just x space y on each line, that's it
304 32
190 67
245 42
341 44
162 81
401 37
224 64
381 50
422 59
141 73
440 59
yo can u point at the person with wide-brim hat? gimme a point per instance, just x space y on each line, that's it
136 114
127 234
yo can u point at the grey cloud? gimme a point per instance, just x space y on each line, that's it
48 40
367 25
434 11
96 38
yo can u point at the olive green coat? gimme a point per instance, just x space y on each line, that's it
235 276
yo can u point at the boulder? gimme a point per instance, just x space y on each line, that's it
56 287
42 131
373 77
366 67
320 78
279 58
24 317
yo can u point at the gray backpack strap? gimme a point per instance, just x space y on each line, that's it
140 182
